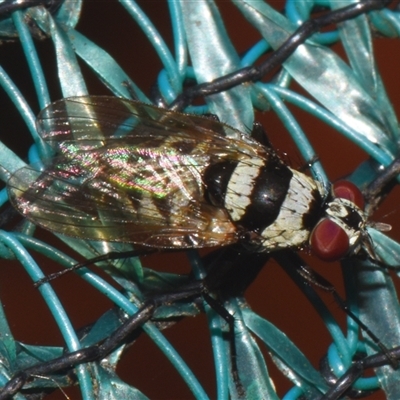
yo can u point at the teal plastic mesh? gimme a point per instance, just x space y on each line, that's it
345 92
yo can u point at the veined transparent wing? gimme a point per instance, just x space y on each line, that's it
89 120
129 172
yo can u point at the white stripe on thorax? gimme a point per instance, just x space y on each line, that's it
240 187
288 229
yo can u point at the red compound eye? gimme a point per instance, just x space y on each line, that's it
329 241
349 191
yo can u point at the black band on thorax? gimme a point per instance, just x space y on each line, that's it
269 191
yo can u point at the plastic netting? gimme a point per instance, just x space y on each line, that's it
349 97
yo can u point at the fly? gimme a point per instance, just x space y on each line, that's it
131 172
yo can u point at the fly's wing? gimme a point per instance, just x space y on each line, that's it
88 120
143 185
97 203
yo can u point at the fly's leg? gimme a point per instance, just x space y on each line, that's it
379 187
230 272
111 256
312 277
294 265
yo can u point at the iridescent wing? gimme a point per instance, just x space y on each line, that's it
129 172
90 120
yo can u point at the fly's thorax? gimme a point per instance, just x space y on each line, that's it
298 214
274 206
250 190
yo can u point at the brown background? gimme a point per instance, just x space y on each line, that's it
272 295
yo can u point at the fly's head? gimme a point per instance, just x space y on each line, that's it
342 230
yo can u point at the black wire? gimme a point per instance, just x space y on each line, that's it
344 383
222 264
99 350
279 56
7 7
